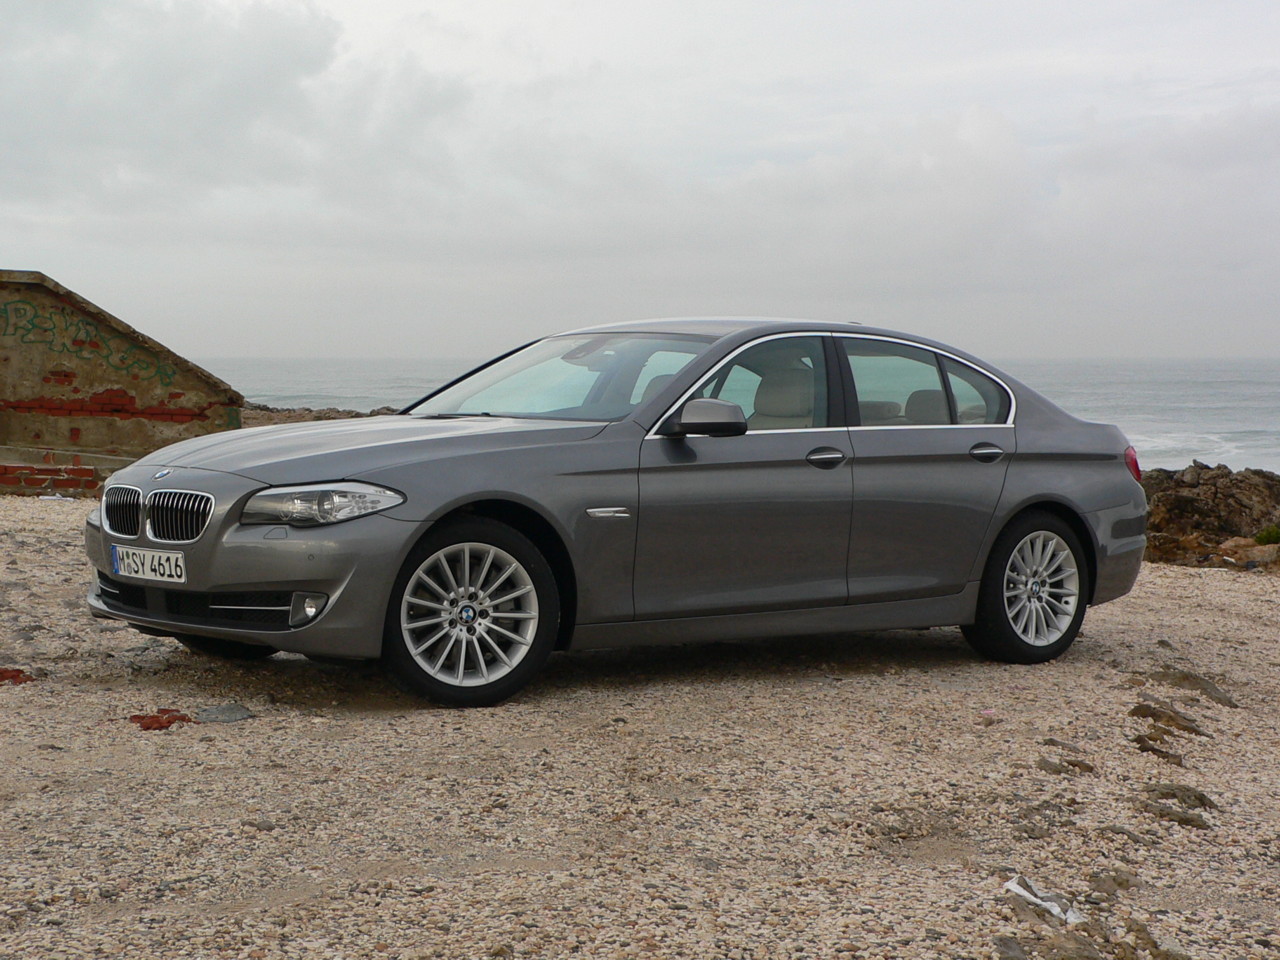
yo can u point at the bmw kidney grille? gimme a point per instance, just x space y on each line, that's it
171 516
177 516
122 510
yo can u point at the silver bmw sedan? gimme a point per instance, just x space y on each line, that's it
662 481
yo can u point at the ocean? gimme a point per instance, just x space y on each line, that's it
1173 411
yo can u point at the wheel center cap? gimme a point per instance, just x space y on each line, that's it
1035 588
467 613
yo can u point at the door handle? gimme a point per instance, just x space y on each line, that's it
826 458
986 452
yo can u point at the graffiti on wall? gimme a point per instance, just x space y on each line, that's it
62 330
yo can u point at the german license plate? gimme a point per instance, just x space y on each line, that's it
167 565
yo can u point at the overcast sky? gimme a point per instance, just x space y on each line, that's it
351 178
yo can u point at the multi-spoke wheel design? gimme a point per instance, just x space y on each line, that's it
1041 588
1034 592
474 614
470 614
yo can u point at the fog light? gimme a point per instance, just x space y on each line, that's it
306 607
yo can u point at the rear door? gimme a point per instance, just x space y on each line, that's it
931 446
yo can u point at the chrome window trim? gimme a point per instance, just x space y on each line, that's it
790 334
931 426
1009 420
213 505
793 430
1013 400
106 521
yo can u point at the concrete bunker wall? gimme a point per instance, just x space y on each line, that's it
80 388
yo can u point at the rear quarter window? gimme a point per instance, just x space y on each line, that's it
979 399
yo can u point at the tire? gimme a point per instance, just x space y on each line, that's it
227 649
1034 592
473 615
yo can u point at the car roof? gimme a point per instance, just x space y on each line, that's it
717 326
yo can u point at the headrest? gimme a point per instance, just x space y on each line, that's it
928 406
785 393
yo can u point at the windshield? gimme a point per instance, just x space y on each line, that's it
578 377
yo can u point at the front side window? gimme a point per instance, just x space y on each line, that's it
577 377
780 384
896 384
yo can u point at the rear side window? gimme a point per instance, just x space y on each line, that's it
896 384
979 399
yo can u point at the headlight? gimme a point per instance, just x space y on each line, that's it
318 503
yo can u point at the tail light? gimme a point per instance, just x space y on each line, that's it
1131 461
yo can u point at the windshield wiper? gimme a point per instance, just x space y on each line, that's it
451 416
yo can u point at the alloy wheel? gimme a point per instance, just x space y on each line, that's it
469 614
1041 588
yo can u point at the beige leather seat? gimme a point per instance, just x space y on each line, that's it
784 400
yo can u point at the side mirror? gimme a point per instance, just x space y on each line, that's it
708 418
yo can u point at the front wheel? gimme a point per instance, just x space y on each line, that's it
1033 594
473 616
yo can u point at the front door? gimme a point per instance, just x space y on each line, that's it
756 522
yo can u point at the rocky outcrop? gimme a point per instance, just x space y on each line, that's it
1210 516
260 415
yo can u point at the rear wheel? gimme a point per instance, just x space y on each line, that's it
227 649
473 616
1033 594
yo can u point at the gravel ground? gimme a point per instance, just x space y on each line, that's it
867 797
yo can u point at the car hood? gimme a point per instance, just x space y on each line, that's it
339 449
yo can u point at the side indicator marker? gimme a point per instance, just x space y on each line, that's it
607 513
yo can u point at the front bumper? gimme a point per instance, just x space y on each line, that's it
242 580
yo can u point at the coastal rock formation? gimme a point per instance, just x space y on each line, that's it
261 415
1210 516
82 393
